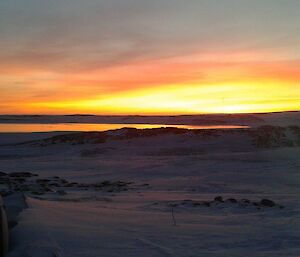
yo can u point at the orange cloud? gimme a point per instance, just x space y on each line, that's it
198 83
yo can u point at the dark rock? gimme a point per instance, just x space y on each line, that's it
53 184
184 202
61 192
219 199
2 174
245 201
97 185
37 192
207 204
267 203
43 180
231 200
83 186
121 184
21 174
196 204
106 183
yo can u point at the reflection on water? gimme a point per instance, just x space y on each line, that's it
6 127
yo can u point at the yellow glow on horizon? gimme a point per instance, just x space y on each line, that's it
192 98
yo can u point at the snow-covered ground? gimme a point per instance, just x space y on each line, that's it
168 207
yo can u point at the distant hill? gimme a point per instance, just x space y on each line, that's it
277 119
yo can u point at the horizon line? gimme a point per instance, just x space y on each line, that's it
151 115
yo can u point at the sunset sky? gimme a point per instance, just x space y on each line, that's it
149 56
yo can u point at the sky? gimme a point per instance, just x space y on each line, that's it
149 57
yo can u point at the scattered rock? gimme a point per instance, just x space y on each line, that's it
219 199
106 183
61 192
231 200
64 181
267 203
246 201
184 202
54 184
82 185
37 192
196 204
47 189
22 174
43 181
207 204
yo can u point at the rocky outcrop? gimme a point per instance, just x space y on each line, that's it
220 202
26 182
272 136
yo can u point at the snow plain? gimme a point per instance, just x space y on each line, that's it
170 172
